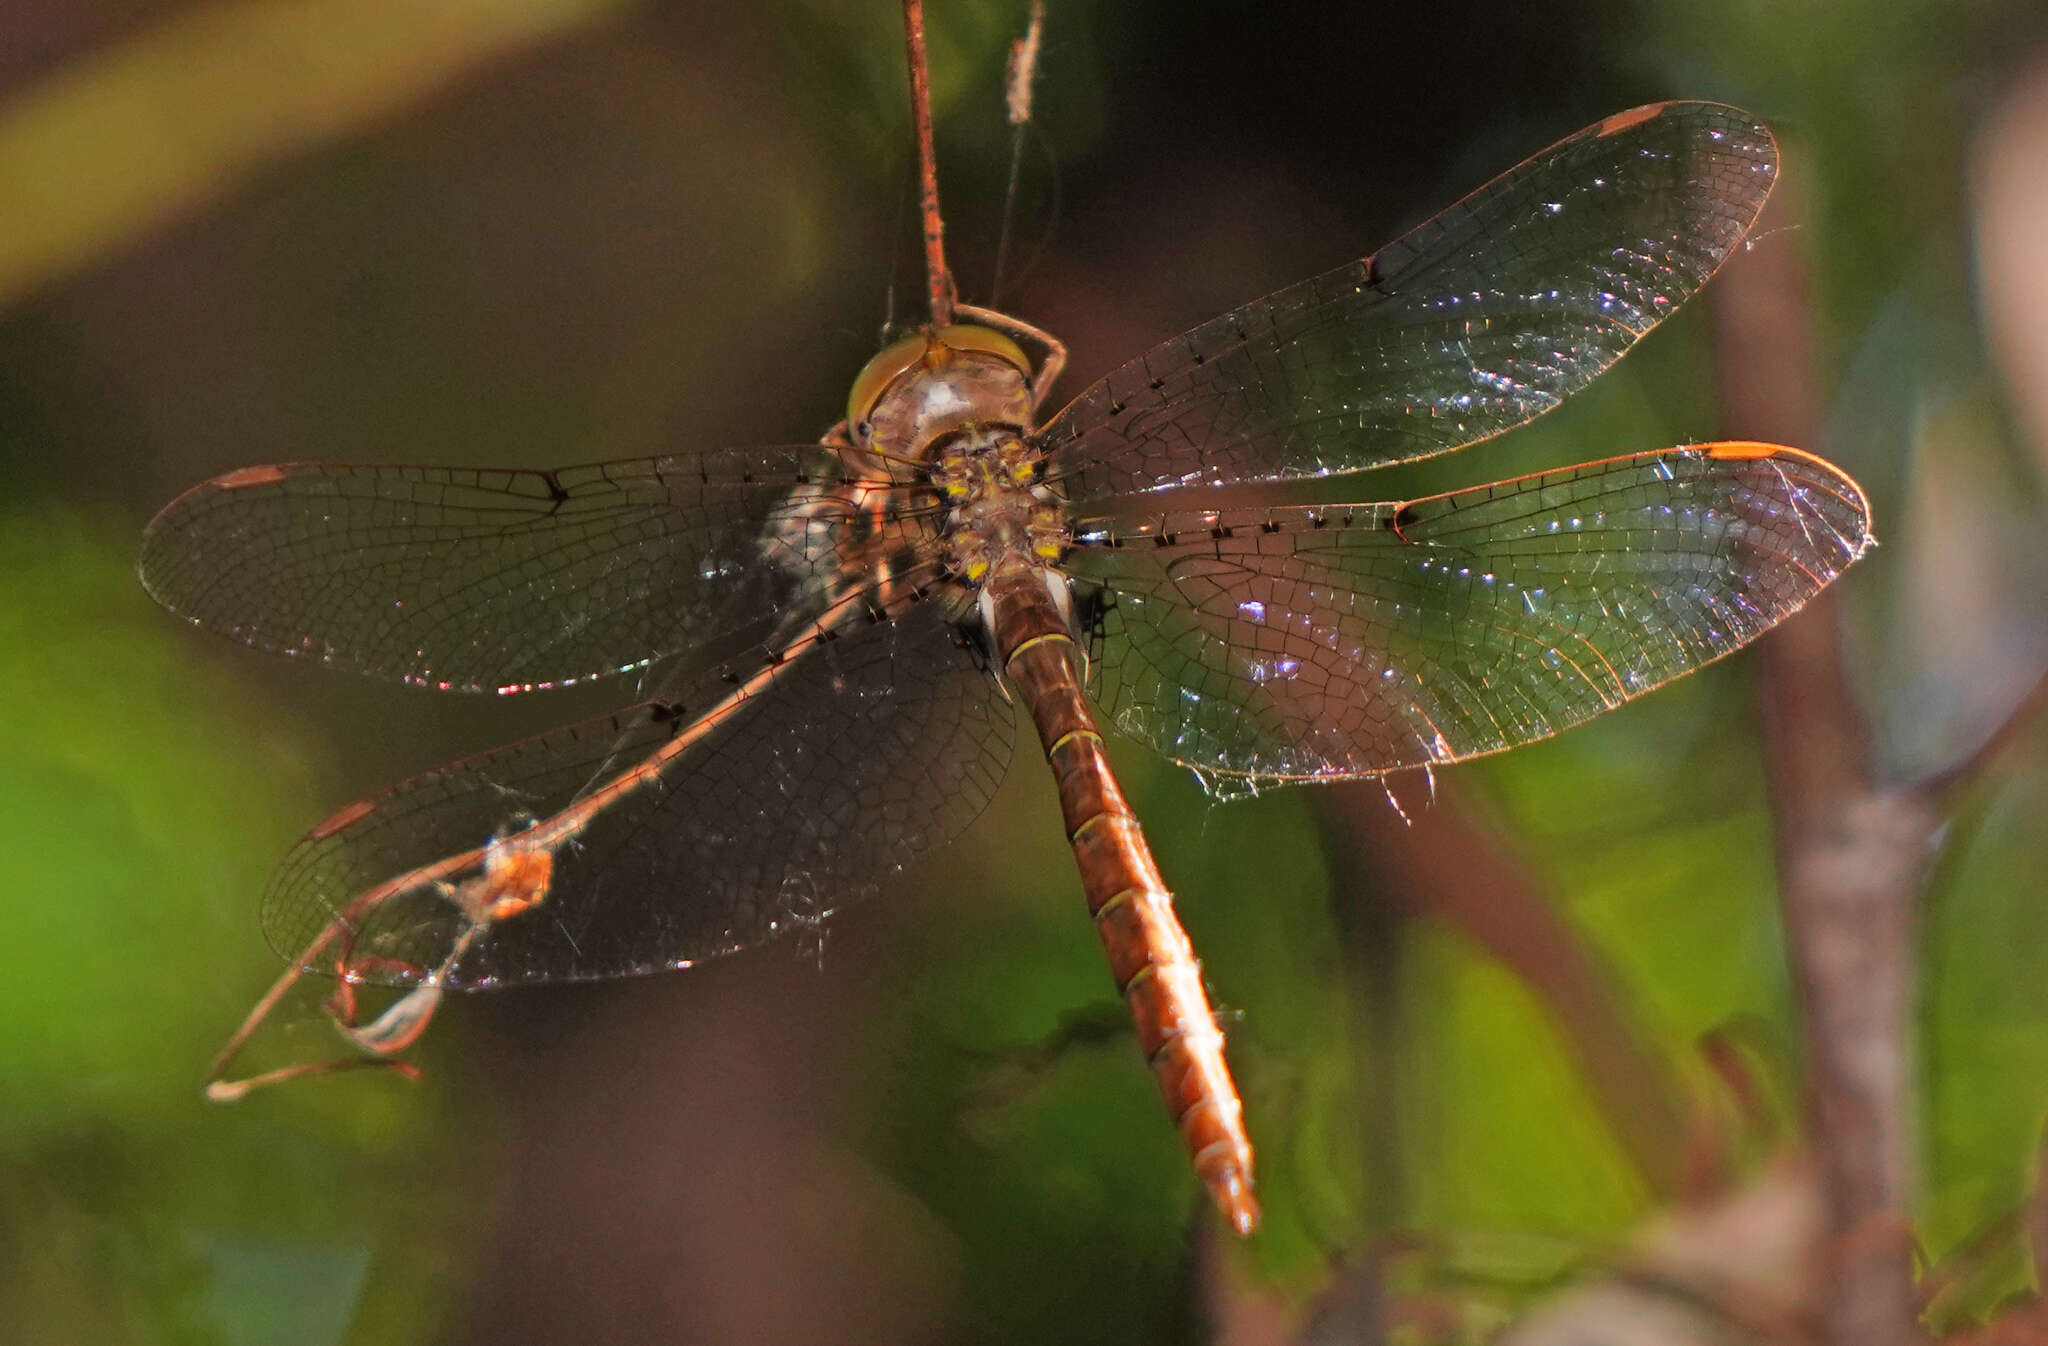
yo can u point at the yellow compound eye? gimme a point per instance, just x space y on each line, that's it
966 337
899 358
895 360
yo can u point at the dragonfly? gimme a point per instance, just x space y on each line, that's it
839 636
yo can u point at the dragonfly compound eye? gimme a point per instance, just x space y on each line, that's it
893 362
935 351
988 341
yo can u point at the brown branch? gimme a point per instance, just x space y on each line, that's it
1851 856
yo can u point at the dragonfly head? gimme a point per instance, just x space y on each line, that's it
932 383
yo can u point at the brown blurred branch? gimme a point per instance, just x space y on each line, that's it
1852 855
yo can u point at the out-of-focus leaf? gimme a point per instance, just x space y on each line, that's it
178 114
139 803
278 1289
126 810
1986 1051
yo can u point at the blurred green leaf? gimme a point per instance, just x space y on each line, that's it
182 112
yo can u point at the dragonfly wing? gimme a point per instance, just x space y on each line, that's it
479 579
1343 641
1473 323
767 803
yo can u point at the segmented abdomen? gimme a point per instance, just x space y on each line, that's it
1149 952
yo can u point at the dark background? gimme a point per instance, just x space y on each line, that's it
556 231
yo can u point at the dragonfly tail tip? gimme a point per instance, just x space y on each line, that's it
1233 1193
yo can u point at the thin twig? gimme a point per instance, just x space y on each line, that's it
938 280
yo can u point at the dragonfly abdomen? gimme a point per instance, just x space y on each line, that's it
1150 954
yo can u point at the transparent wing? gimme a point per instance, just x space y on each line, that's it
479 579
1340 641
1489 314
798 785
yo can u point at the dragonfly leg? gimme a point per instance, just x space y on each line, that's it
232 1091
401 1023
351 971
1053 351
514 880
399 1026
511 879
340 1006
376 965
377 1043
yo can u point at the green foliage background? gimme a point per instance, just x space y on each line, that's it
539 233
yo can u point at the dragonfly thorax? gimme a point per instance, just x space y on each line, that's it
996 505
